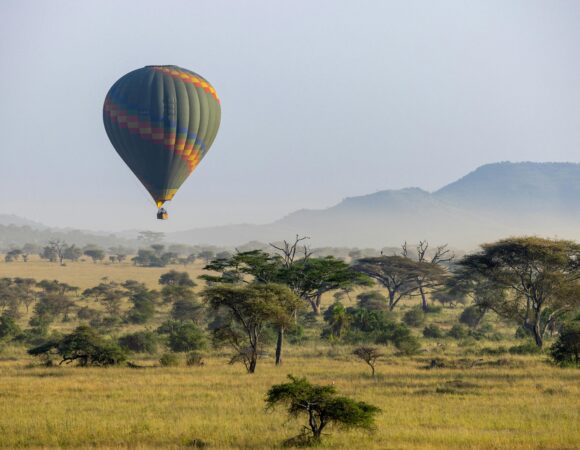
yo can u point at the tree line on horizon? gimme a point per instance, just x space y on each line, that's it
252 296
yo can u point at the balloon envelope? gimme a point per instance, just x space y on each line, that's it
162 120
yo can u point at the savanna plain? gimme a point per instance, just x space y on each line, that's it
478 397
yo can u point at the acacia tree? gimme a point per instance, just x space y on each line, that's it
110 295
254 266
83 345
26 293
251 309
9 298
311 278
397 274
96 254
72 253
369 355
540 278
55 251
323 407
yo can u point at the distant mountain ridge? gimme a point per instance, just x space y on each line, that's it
521 186
493 201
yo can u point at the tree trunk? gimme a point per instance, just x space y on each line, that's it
315 307
314 427
253 361
423 298
392 302
538 335
279 344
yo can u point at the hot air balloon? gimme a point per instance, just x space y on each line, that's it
162 120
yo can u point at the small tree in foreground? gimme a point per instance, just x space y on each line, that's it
368 355
323 407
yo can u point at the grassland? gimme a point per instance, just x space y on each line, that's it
483 402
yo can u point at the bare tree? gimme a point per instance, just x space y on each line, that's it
288 250
397 274
434 275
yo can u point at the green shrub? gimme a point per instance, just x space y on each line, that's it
471 316
414 317
141 342
372 301
408 345
295 335
432 331
458 332
8 327
186 337
169 360
566 350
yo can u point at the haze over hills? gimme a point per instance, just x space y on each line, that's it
493 201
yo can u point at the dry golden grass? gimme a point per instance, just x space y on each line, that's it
85 274
523 405
500 403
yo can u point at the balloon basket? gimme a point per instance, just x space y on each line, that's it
162 215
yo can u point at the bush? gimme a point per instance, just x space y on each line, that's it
402 338
458 332
186 337
414 317
141 342
471 316
8 327
373 301
407 345
566 350
194 359
432 332
169 360
295 335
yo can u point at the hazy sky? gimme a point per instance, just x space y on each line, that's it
320 100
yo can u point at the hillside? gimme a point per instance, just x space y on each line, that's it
493 201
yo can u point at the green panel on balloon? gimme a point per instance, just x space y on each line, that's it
162 120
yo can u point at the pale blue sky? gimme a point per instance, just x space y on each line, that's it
320 100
